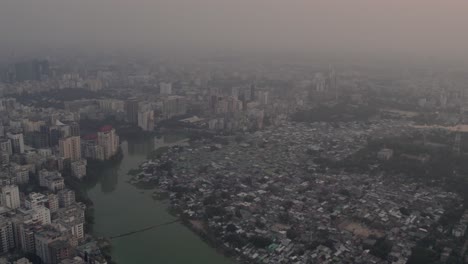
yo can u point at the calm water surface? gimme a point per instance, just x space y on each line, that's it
120 207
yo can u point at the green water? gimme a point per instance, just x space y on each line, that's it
120 207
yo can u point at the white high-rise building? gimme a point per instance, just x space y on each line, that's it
10 196
17 142
109 141
41 214
146 120
70 148
71 220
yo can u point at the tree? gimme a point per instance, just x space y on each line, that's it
382 248
260 241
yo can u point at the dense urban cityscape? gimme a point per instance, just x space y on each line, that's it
305 164
233 132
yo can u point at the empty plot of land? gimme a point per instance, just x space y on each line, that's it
359 229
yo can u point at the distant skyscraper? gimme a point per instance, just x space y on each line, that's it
75 129
54 135
10 196
38 140
7 240
131 110
332 82
174 106
165 88
5 146
146 120
17 142
252 92
108 140
70 148
319 81
4 158
32 70
66 197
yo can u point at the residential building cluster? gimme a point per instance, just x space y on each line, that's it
39 214
268 199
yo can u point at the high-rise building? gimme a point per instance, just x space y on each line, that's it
53 180
21 174
263 97
17 142
108 140
53 202
54 135
91 149
78 168
38 140
165 88
26 232
111 105
43 239
70 148
66 197
75 129
10 196
32 70
7 240
42 214
71 219
34 200
60 250
5 146
4 158
252 92
146 120
174 106
320 82
131 110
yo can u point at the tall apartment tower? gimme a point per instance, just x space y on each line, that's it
7 239
75 129
5 146
70 148
17 142
131 110
10 196
108 140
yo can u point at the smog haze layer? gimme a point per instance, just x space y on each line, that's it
421 28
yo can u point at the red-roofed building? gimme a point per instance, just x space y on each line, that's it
89 137
106 128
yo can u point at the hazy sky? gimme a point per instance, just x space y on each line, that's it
420 27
